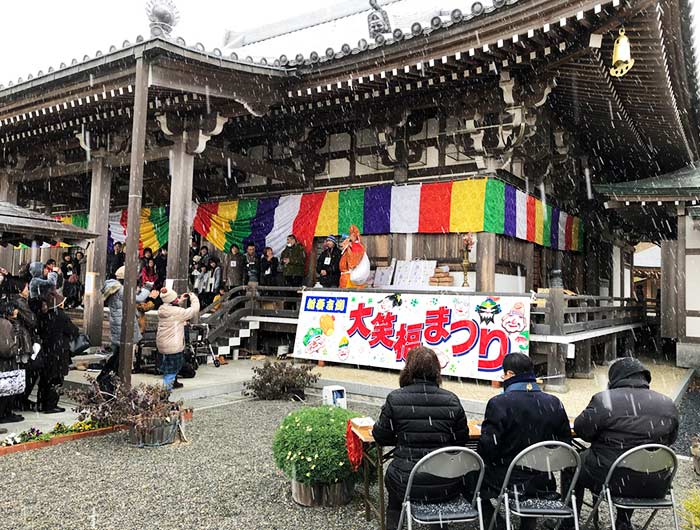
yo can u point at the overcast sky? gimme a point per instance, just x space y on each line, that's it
37 34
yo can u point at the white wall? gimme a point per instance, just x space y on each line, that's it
692 283
628 283
692 326
505 283
692 234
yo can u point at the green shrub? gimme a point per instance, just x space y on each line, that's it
690 512
309 445
279 381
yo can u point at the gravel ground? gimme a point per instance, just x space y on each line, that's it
224 479
689 418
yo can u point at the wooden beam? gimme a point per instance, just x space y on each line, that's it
256 93
83 168
138 147
250 165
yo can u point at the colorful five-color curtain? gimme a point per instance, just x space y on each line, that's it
476 205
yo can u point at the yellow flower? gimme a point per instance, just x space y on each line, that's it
341 464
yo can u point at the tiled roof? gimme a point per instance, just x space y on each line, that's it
684 182
343 30
22 225
176 44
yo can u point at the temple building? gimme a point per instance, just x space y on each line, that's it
415 121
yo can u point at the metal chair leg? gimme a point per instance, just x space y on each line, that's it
594 510
651 517
492 523
408 516
673 509
575 510
611 507
481 515
403 510
507 506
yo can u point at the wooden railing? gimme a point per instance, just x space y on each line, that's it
248 301
556 313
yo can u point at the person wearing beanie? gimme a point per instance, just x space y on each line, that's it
328 263
170 336
626 415
514 420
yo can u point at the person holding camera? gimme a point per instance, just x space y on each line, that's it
173 315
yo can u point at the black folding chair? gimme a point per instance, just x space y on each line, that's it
449 463
544 457
649 458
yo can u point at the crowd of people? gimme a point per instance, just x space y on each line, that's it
211 277
174 311
421 417
36 334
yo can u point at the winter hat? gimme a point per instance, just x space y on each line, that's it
168 296
119 274
627 368
332 239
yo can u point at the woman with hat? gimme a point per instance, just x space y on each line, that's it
328 263
113 294
170 337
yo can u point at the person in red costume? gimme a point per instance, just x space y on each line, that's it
353 252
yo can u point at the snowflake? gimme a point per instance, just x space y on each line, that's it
414 302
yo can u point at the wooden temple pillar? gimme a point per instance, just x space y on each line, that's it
556 356
180 222
486 263
8 193
529 262
98 223
138 149
190 137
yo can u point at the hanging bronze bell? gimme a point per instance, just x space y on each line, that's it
622 60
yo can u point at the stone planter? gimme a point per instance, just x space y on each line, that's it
154 433
337 494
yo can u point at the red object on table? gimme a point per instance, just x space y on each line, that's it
354 445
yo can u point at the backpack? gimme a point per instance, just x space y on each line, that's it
8 344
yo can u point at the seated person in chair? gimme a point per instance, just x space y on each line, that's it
626 415
417 419
521 416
